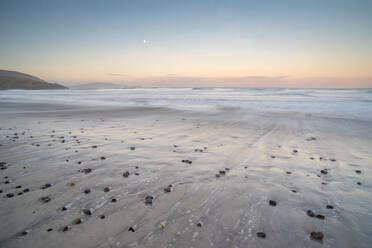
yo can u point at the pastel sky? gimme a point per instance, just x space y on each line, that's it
225 43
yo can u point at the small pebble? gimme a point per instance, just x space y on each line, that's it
126 174
261 235
106 189
329 207
319 216
148 200
358 171
114 200
310 213
87 191
45 199
272 203
317 236
77 221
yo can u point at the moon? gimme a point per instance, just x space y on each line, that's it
144 41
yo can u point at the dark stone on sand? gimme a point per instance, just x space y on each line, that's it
288 172
6 182
87 170
199 224
102 216
319 216
47 185
311 158
187 161
79 162
20 193
114 200
45 199
325 171
136 173
1 191
10 195
63 208
126 174
168 189
87 191
332 160
272 203
310 213
227 169
132 148
148 199
103 158
106 189
77 221
94 146
222 172
329 207
359 183
218 175
317 236
295 151
132 228
18 187
24 233
358 171
261 235
87 212
26 190
65 228
49 230
272 156
294 191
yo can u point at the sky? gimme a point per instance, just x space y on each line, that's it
196 43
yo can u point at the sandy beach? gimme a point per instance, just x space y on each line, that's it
155 177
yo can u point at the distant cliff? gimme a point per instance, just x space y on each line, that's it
17 80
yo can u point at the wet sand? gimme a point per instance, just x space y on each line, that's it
154 177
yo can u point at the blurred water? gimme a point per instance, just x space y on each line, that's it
345 103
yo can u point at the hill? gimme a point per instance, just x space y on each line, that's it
18 80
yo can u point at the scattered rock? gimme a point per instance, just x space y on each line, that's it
186 161
319 216
168 188
295 151
114 200
132 148
325 171
65 228
94 146
10 195
106 189
359 183
102 216
332 160
222 172
45 199
218 175
329 207
18 187
126 174
24 233
288 172
272 156
77 221
87 212
261 235
26 190
87 170
310 213
87 191
317 236
63 208
103 158
47 185
358 171
148 199
272 203
132 228
294 191
49 230
199 224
